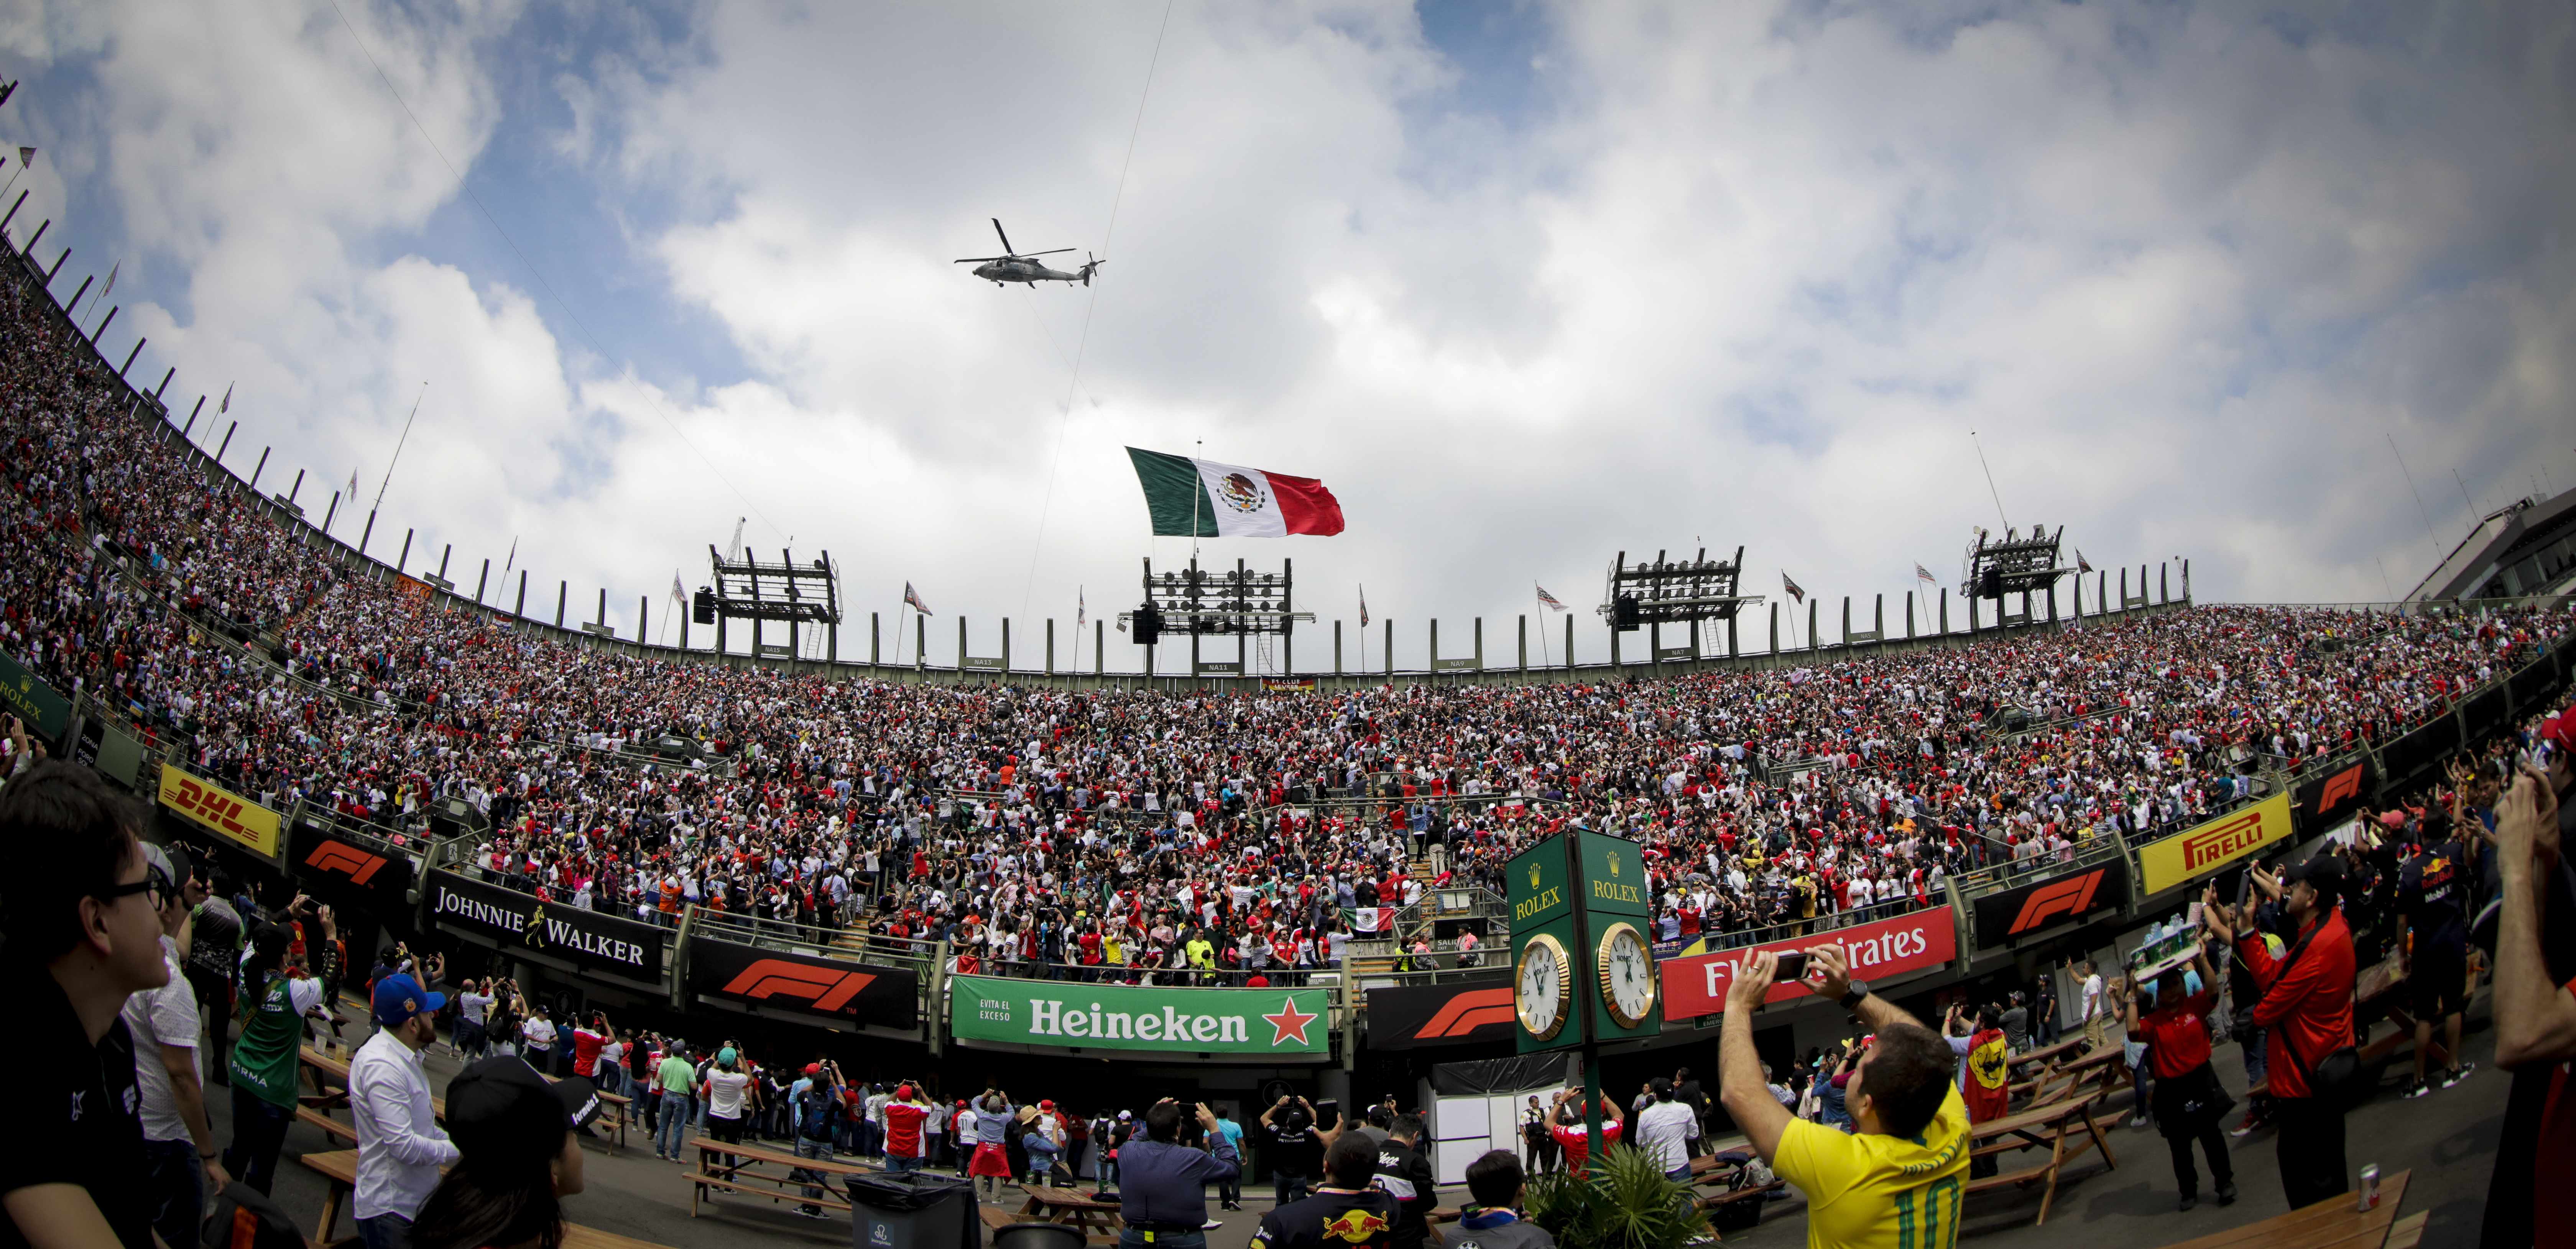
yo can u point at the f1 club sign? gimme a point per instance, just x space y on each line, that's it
1927 938
2025 909
1407 1017
780 980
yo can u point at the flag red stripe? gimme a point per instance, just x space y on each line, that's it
1306 505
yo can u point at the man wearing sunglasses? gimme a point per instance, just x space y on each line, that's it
83 911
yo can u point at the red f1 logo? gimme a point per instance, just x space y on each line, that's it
2065 898
2342 785
331 856
1467 1012
828 990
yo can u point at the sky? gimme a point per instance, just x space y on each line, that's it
2288 290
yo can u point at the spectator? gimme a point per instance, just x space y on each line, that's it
471 1042
1687 1092
1573 1130
1229 1187
2016 1022
1664 1130
401 1148
2307 1005
677 1081
907 1129
517 1159
1296 1147
2432 908
1347 1212
178 1141
267 1059
2189 1100
2535 993
79 943
1910 1149
729 1096
538 1034
1496 1186
1985 1073
991 1163
1162 1190
819 1111
1405 1173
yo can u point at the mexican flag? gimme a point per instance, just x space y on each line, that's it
1231 501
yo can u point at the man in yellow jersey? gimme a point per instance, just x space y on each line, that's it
1896 1180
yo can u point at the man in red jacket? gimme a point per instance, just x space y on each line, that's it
2307 1005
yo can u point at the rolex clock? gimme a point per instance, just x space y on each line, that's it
1626 967
1543 992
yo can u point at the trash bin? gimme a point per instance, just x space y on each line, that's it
913 1210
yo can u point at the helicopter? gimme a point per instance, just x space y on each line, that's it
1012 266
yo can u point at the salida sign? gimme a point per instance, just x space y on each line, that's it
515 920
1697 985
1276 1023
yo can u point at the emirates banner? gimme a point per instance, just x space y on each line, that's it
1458 1012
779 981
1927 938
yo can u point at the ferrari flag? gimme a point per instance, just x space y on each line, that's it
1210 500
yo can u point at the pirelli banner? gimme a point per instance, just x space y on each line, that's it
2325 800
828 991
517 923
2187 856
1459 1012
329 862
220 811
2026 909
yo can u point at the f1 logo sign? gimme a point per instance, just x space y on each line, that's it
828 990
2342 785
2064 899
358 865
1467 1012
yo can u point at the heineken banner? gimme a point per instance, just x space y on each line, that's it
516 922
33 701
1286 1024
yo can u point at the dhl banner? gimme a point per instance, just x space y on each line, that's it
247 824
2186 856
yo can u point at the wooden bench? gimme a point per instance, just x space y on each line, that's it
748 1173
330 1126
2333 1223
1098 1221
340 1170
2056 1125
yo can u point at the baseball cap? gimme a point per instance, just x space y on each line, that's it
1044 1104
2560 728
500 1108
399 997
1126 1114
904 1093
813 1069
725 1056
2324 872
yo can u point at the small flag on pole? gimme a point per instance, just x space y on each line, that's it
1548 600
353 498
104 291
1924 575
678 595
227 404
1363 607
912 599
1081 610
1791 587
2080 564
514 542
26 156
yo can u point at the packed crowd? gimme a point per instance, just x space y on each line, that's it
1118 834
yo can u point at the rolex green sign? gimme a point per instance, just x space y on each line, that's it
33 701
1614 875
1288 1024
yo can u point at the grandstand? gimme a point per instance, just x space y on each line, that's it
829 852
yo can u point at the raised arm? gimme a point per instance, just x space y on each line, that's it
1829 977
2535 1018
1739 1069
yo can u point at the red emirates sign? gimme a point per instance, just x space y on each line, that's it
1927 938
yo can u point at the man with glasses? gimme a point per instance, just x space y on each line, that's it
83 911
178 1140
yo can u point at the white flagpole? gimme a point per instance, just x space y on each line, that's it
1545 621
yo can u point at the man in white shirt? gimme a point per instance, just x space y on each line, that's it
165 1024
1663 1130
539 1035
471 1040
2094 1019
400 1145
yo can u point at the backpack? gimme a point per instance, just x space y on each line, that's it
814 1111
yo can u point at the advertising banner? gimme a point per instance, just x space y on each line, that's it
1457 1013
517 921
1273 1023
1614 874
2022 909
2420 750
336 862
33 701
1927 938
780 980
2321 802
220 811
2186 856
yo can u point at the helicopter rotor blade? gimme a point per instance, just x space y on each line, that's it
1006 239
1049 252
972 260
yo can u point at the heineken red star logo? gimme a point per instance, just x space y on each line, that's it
1290 1023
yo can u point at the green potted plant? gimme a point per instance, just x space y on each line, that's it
1626 1203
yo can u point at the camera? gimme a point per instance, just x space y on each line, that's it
1793 965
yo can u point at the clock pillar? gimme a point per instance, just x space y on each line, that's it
1585 894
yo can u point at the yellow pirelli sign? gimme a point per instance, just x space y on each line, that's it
2185 856
248 824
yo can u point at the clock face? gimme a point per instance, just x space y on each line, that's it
1627 975
1543 997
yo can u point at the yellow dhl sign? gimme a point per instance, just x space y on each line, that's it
220 810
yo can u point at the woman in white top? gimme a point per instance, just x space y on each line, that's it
730 1095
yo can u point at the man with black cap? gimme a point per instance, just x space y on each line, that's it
400 1145
2307 1006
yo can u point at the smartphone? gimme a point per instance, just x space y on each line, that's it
1327 1113
1793 966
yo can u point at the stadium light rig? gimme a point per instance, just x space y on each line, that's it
2014 565
1673 591
1220 603
749 589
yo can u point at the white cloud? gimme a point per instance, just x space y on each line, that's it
1750 275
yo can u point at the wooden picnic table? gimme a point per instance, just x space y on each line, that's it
2047 1055
1089 1215
2107 1066
2333 1223
2066 1128
763 1171
340 1169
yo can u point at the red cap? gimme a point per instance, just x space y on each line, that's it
1044 1104
813 1069
904 1093
2560 728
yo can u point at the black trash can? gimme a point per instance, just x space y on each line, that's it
913 1210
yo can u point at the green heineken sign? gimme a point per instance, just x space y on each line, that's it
1280 1023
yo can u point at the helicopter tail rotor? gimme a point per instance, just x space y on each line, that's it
1088 265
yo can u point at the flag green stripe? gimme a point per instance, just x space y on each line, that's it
1174 495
